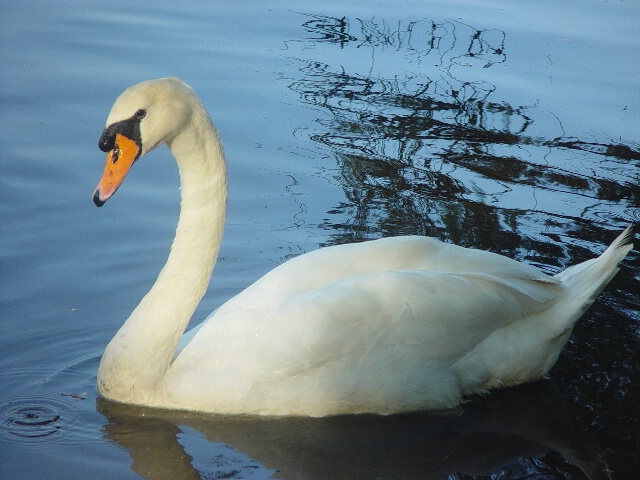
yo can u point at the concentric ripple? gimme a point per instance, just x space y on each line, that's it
49 405
32 421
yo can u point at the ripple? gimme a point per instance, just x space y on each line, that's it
633 214
50 405
32 421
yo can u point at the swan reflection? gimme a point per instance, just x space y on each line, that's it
520 430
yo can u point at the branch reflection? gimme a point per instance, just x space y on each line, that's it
422 150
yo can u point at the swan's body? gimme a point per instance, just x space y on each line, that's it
398 324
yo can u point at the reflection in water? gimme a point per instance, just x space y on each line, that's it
153 444
426 145
519 431
432 153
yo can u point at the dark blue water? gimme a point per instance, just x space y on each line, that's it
496 125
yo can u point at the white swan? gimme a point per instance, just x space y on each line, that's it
392 325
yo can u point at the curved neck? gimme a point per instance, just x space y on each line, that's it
143 349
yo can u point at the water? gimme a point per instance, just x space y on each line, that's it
496 125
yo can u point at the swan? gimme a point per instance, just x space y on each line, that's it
392 325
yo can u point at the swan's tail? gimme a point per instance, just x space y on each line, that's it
586 280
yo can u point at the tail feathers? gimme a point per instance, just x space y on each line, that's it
586 280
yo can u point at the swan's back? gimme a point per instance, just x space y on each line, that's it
326 266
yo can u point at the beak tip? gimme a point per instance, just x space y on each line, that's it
97 199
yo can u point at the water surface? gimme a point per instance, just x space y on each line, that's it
495 125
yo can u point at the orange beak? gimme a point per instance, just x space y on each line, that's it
119 161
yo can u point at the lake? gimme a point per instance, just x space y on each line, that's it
499 125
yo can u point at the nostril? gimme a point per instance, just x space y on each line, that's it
115 154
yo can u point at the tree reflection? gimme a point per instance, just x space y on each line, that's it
423 155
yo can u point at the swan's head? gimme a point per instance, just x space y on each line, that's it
142 118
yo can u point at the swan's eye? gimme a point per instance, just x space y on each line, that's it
140 114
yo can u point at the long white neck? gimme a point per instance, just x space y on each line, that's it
136 359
